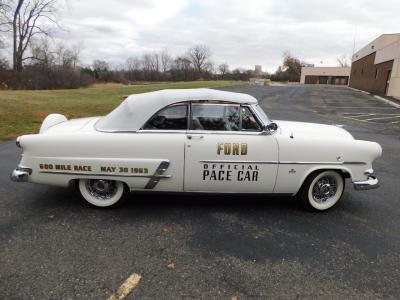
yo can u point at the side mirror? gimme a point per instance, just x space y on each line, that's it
271 127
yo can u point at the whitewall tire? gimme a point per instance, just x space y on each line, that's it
102 193
322 190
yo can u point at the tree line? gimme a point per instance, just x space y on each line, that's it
39 62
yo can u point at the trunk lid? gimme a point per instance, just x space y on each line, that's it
73 125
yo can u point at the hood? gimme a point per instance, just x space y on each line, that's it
314 130
72 125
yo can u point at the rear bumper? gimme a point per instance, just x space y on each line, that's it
21 174
369 184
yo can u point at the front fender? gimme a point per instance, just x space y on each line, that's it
299 157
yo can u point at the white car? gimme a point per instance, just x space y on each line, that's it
196 140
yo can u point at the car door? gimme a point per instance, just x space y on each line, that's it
160 144
226 150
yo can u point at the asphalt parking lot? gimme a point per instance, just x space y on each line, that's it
52 246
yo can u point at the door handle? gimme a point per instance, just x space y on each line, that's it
189 136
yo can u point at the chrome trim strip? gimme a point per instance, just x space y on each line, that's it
107 175
158 174
282 162
354 163
309 163
225 132
182 131
238 161
141 131
321 163
255 113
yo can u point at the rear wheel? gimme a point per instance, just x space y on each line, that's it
322 190
102 193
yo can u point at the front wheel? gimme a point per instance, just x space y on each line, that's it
102 193
322 190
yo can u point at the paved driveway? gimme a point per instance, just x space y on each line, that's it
52 246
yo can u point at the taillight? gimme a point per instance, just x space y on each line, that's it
18 142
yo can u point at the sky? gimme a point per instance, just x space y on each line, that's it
241 33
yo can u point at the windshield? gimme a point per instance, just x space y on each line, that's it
261 114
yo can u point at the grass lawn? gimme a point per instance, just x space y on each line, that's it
22 112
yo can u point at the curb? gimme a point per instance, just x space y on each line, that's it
364 92
394 104
387 101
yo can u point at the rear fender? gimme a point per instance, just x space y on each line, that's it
51 120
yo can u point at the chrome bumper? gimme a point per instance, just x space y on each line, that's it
369 184
21 174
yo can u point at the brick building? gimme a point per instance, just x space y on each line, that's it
376 67
325 75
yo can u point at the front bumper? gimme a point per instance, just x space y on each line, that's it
21 174
369 184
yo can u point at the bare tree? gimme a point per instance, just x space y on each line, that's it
101 69
342 61
223 69
42 53
199 56
147 66
151 65
183 68
67 57
133 63
4 21
27 19
51 65
4 16
155 62
166 60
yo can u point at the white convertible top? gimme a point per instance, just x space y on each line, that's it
135 110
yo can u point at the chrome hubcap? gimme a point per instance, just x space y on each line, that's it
324 189
101 189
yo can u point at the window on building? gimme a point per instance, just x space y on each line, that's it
376 73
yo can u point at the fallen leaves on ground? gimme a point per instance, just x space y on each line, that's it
165 229
129 284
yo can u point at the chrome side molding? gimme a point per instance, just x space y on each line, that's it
158 174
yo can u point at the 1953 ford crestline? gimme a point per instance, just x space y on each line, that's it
195 140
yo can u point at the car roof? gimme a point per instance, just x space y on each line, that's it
136 109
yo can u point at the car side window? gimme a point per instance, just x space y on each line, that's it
170 118
216 117
249 122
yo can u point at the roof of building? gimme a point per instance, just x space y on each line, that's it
381 42
135 110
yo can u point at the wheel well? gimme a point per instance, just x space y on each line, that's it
75 181
345 174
